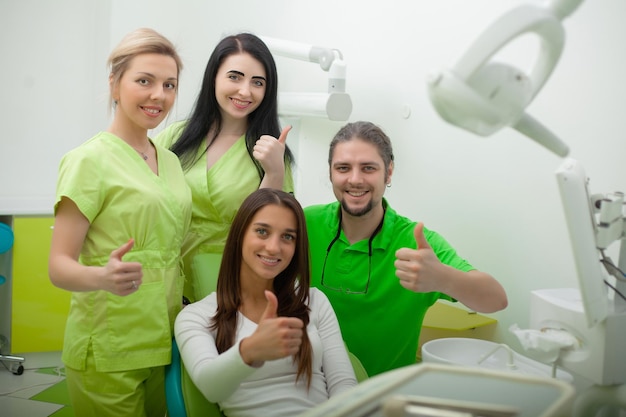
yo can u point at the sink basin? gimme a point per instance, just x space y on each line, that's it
486 354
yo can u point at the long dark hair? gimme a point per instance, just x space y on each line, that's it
291 286
206 111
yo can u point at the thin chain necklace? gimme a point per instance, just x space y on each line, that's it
143 153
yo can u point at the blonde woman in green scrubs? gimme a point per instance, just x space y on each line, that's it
122 210
231 145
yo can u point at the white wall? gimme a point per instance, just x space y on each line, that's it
51 99
495 199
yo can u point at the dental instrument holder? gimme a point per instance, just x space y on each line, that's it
595 222
335 105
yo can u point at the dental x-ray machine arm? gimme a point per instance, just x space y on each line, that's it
334 105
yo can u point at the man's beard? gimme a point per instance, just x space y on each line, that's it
357 213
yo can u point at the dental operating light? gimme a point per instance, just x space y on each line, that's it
336 104
482 96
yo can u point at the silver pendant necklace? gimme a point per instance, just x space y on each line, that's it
143 153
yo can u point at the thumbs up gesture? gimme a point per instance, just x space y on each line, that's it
275 337
120 277
418 269
270 152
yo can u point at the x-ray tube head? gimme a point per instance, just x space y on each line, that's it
335 105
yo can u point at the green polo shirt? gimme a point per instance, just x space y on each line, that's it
380 320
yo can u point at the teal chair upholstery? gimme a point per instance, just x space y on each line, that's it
182 396
184 399
173 385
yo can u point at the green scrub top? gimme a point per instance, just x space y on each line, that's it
122 198
217 194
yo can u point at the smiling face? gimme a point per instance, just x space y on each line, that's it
269 243
240 85
359 177
146 92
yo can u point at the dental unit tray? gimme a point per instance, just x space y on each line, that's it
418 406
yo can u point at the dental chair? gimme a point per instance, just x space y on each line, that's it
182 396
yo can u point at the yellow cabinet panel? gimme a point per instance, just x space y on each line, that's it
39 309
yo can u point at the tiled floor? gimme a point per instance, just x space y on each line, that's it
38 392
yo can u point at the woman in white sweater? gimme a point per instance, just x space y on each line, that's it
265 343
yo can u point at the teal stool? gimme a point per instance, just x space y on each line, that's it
6 237
6 242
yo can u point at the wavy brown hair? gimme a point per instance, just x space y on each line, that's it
291 286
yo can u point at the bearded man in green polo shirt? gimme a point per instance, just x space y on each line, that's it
382 271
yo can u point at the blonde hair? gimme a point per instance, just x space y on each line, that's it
137 42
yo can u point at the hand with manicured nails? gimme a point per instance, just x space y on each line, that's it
122 278
270 152
418 269
275 337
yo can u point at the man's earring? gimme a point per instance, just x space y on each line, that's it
389 184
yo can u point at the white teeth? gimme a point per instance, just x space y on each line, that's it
268 260
356 194
240 103
153 111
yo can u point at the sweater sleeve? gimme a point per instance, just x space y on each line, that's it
335 361
216 375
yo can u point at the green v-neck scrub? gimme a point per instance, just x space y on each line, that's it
122 198
217 194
